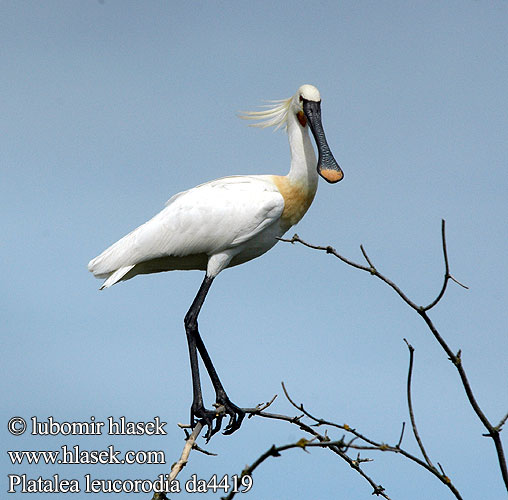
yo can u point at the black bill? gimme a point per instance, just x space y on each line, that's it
327 167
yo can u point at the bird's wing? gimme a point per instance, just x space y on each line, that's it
207 219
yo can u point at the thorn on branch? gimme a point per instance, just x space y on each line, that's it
409 346
499 426
292 240
296 420
378 490
346 446
258 408
359 460
401 434
446 479
458 282
273 451
342 445
372 269
457 359
201 450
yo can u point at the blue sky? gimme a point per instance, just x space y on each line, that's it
108 108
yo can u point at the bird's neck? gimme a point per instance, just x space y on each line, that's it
299 186
303 159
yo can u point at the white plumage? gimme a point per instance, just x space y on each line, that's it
224 222
217 219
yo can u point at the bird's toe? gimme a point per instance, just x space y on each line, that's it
236 416
206 418
212 420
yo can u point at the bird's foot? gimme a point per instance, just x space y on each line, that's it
223 407
236 415
205 418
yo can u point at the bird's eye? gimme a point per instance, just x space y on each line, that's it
301 97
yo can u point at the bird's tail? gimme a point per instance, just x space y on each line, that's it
116 277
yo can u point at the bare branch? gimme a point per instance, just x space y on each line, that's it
410 405
367 259
189 444
372 445
260 407
401 435
321 440
335 446
176 468
371 269
447 275
492 431
458 282
499 426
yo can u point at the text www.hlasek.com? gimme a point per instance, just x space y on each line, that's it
75 455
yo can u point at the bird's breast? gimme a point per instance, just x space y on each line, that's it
297 199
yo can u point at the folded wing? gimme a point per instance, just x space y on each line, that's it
194 225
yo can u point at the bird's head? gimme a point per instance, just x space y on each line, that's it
305 105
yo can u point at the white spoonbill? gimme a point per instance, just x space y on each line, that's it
224 223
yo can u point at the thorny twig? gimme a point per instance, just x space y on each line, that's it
492 431
340 447
190 443
410 405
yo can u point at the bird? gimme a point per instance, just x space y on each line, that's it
224 223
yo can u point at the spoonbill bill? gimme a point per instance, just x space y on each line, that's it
224 223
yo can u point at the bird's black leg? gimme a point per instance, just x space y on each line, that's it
196 344
236 415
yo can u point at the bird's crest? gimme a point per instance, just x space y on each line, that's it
275 114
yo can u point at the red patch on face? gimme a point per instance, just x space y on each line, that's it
302 118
